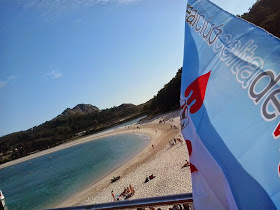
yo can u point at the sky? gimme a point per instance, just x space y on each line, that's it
55 54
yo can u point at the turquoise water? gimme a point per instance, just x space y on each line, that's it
46 181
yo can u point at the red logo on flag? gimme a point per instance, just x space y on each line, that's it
198 88
276 132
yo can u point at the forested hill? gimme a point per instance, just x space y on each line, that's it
167 99
265 14
82 119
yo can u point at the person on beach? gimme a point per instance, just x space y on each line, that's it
147 179
128 192
114 198
186 164
123 194
180 140
151 176
131 189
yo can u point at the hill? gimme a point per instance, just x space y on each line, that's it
167 99
80 109
72 123
265 14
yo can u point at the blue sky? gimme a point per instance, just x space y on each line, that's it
57 54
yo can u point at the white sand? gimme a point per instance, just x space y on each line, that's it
165 165
164 161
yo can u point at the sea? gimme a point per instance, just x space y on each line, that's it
48 180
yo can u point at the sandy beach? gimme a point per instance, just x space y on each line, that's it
158 158
163 161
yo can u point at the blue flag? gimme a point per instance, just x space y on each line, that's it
230 107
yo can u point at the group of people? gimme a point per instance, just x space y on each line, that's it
173 126
127 193
148 178
162 120
187 164
174 141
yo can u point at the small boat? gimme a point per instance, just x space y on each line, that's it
2 200
115 179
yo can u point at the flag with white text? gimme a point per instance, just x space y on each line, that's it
230 107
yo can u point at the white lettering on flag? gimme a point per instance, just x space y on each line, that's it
230 107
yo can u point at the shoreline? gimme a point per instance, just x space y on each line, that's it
160 135
58 204
118 171
154 158
64 146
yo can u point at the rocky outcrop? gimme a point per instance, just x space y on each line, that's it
80 109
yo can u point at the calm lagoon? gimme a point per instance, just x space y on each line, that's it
46 181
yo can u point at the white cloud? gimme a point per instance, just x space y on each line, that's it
50 10
66 4
54 74
3 83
